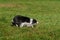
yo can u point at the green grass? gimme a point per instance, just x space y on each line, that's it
46 12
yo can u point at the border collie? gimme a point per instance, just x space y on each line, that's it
21 21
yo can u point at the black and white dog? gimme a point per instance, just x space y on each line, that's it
21 21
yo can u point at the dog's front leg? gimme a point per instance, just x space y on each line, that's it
32 26
22 24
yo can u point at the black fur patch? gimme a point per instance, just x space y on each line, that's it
20 19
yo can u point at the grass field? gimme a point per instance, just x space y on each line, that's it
46 12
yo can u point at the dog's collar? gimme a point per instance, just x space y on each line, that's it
31 21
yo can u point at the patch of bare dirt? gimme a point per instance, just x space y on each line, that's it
11 5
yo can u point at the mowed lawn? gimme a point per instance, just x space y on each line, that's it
47 14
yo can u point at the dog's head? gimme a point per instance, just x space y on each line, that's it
34 21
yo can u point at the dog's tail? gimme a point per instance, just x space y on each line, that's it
12 23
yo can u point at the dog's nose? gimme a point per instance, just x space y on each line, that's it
37 22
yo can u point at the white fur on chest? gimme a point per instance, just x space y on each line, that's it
26 24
